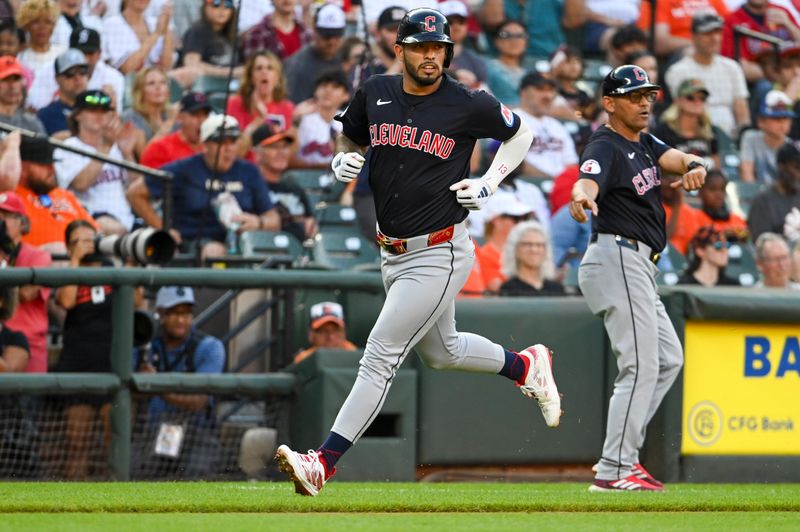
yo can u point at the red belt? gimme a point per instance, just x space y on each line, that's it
398 246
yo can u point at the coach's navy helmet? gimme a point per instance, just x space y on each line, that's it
425 25
625 79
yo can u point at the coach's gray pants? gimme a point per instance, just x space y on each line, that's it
419 311
619 284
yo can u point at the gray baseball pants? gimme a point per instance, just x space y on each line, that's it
619 285
419 311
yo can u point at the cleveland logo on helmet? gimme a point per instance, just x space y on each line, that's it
426 25
625 79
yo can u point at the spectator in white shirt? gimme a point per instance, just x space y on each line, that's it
38 19
122 46
316 128
100 186
101 76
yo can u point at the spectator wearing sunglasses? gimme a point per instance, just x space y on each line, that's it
72 75
100 186
708 258
505 72
210 44
686 124
760 146
49 208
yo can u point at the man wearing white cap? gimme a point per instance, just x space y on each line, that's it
326 331
199 180
320 55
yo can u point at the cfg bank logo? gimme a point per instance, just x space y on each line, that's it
704 423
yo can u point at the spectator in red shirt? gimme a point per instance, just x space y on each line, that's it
757 15
280 33
262 97
185 142
30 318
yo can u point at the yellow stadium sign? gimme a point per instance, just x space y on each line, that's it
741 389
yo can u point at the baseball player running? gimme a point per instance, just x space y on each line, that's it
620 182
421 126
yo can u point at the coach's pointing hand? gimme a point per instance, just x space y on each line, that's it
580 202
346 166
472 193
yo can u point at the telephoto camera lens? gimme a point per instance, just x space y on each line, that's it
143 246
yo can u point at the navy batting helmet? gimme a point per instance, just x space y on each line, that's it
425 25
625 79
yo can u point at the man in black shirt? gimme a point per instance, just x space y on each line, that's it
620 182
422 127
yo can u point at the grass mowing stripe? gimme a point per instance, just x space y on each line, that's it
621 521
386 497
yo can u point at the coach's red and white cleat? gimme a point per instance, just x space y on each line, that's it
629 483
639 471
540 384
306 470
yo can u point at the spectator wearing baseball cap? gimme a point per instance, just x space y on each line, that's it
686 125
72 76
759 147
273 151
49 208
198 181
316 129
769 209
102 76
185 142
12 96
100 186
728 101
179 347
320 55
30 318
326 331
464 59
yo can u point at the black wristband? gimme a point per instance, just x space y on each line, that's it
695 164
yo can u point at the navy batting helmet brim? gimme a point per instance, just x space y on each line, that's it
620 91
425 37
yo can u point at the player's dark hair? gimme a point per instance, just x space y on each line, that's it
629 34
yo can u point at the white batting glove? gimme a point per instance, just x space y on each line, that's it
473 193
346 166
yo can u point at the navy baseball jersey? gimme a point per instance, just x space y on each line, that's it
420 146
629 177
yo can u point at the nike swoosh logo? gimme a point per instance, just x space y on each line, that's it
379 102
631 155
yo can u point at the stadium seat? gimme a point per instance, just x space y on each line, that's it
215 85
269 244
335 215
319 184
343 250
741 195
742 264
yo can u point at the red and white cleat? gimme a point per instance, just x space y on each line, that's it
629 483
306 470
540 384
639 471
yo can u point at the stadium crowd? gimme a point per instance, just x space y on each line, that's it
237 101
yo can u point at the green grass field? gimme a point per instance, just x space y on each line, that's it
393 506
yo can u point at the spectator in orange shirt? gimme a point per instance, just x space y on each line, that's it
714 211
673 31
327 330
503 212
50 208
185 142
683 221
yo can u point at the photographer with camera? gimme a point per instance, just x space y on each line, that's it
181 428
87 347
30 317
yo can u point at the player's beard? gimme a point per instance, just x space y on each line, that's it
420 80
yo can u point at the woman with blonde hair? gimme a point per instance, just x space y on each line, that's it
527 263
38 18
150 111
262 97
